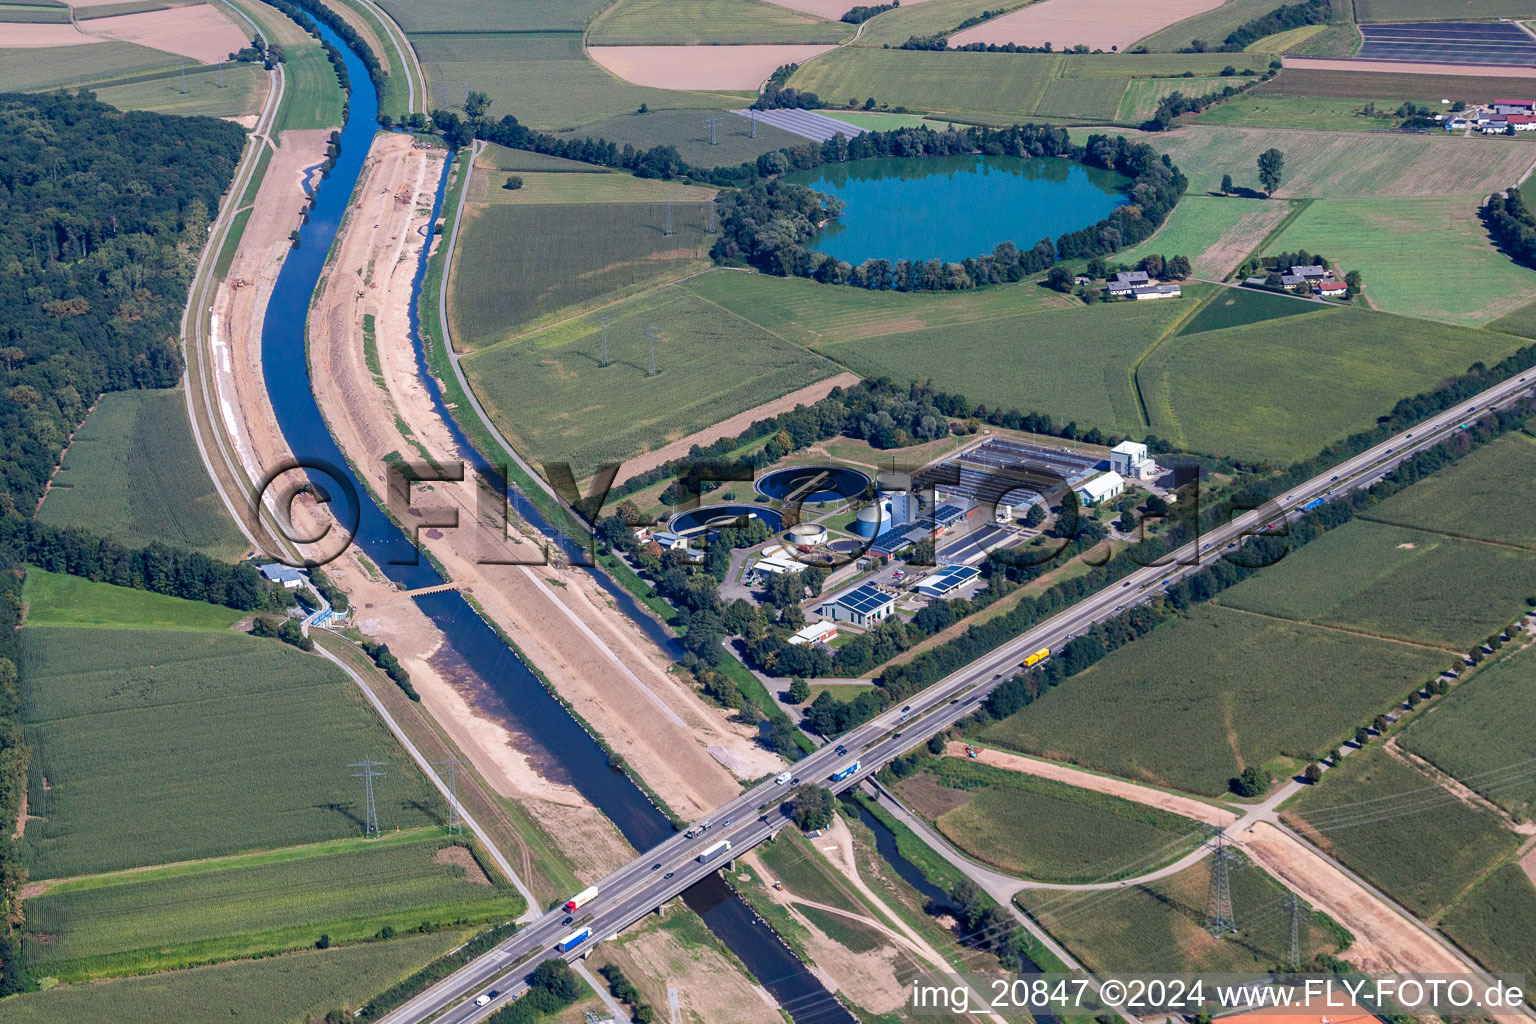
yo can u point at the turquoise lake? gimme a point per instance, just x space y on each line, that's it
951 207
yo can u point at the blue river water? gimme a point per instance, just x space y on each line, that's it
536 713
952 207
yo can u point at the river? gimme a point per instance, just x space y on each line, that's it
581 761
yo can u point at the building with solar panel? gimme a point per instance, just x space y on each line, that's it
947 579
864 605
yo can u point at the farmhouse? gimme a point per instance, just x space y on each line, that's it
1126 281
864 605
1156 291
1313 273
1514 107
1331 289
1100 489
1493 126
1521 122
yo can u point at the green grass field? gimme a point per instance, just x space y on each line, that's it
1337 165
1238 307
32 15
53 599
695 22
545 79
52 67
1337 40
1482 729
491 16
1399 828
686 131
500 158
1160 927
1284 389
1095 99
1393 582
1216 233
244 86
1033 828
1487 495
274 990
133 472
313 96
1285 42
1389 240
1213 26
205 912
549 392
558 187
1496 921
150 747
1194 679
586 253
1142 95
1315 113
1437 10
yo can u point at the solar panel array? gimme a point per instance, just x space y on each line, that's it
1002 470
816 127
949 577
864 599
1452 42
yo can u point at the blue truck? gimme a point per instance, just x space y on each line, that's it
1309 506
843 773
573 940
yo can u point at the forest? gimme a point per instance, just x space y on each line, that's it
105 213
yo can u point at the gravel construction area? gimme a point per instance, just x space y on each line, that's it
701 68
1104 25
1451 42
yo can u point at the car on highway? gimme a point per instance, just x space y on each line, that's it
726 822
895 735
907 708
1119 607
656 867
669 874
482 999
841 750
955 701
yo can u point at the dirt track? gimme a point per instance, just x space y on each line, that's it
563 623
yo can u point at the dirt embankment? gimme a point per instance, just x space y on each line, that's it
564 624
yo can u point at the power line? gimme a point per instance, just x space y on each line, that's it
182 67
1218 900
451 769
650 333
713 123
371 824
754 123
668 229
604 322
1295 932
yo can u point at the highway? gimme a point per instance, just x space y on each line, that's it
660 874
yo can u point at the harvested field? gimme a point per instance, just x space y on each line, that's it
1194 678
1424 823
1397 67
201 32
740 68
1216 233
1480 730
1386 240
1487 495
1337 165
1378 85
35 35
718 22
1109 24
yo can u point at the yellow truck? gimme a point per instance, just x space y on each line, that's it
1037 657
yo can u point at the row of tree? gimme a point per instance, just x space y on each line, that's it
1513 224
1281 19
15 758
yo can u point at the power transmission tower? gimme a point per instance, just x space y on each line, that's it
452 769
182 67
1295 932
713 123
650 333
221 76
1218 901
754 123
668 229
371 825
711 217
605 321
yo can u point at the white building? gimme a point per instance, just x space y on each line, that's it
1102 488
1129 459
778 559
864 605
815 633
289 577
1156 291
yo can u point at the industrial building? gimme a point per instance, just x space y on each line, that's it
1102 488
945 580
815 633
778 559
864 605
1129 459
289 577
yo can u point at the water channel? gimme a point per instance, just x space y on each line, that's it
581 762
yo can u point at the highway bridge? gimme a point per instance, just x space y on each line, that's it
658 875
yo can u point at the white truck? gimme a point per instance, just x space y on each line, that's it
723 846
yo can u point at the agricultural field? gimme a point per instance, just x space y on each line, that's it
1482 732
256 735
1033 828
1393 582
1285 42
491 16
1142 95
1520 321
272 990
1094 99
1389 243
1364 808
1194 679
52 67
1238 307
500 158
550 393
133 472
1160 926
312 97
1340 165
1212 27
1438 10
585 252
53 599
545 79
1388 87
929 17
1487 495
1221 391
702 22
1496 921
1215 232
228 91
209 911
687 131
561 187
1312 113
